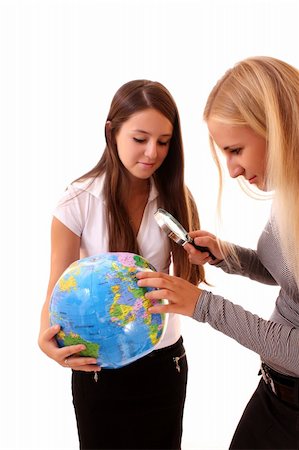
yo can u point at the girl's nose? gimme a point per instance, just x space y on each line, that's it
151 150
235 170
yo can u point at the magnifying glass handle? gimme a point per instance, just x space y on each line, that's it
202 249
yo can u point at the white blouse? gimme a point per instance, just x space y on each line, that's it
82 210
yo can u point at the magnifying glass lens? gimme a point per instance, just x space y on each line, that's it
176 231
170 225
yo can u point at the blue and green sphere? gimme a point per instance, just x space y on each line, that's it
98 303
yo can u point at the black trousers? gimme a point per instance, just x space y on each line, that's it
267 423
139 406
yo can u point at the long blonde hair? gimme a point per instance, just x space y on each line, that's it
263 93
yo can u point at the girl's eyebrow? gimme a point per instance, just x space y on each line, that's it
231 146
145 132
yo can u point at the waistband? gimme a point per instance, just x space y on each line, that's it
285 387
169 348
149 358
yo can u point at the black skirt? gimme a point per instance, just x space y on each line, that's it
267 423
139 406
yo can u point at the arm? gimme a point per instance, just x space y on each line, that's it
65 249
250 266
249 263
275 343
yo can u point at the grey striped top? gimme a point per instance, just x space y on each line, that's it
275 340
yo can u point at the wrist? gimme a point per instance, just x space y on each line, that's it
195 301
214 262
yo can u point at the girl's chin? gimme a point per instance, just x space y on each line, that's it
263 186
260 185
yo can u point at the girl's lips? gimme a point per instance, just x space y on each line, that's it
146 164
251 180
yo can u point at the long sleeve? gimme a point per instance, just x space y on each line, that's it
275 340
250 266
277 344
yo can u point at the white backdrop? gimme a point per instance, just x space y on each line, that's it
61 62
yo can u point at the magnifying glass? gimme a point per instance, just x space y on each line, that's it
176 231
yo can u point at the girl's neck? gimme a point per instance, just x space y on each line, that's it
135 197
135 187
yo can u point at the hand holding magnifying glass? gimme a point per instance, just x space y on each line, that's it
176 231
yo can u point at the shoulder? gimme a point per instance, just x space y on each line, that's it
92 186
81 193
82 200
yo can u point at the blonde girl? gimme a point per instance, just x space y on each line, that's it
253 118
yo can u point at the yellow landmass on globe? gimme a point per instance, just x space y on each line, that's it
153 334
67 284
76 268
61 334
115 288
120 312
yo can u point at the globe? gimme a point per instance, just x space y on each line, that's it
98 303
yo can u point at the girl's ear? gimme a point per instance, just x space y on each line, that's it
108 131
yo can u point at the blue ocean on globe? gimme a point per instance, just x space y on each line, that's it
98 303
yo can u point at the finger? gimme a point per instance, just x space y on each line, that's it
70 350
50 332
200 255
153 282
199 258
205 241
159 294
189 248
90 368
162 309
75 362
192 251
212 245
201 233
142 275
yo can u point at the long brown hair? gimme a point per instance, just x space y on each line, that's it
133 97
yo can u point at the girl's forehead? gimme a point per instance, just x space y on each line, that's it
149 119
222 131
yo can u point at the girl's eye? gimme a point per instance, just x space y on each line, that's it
236 151
163 143
140 141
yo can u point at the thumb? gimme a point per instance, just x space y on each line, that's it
49 333
200 233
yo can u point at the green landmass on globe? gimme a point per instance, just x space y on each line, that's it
91 349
